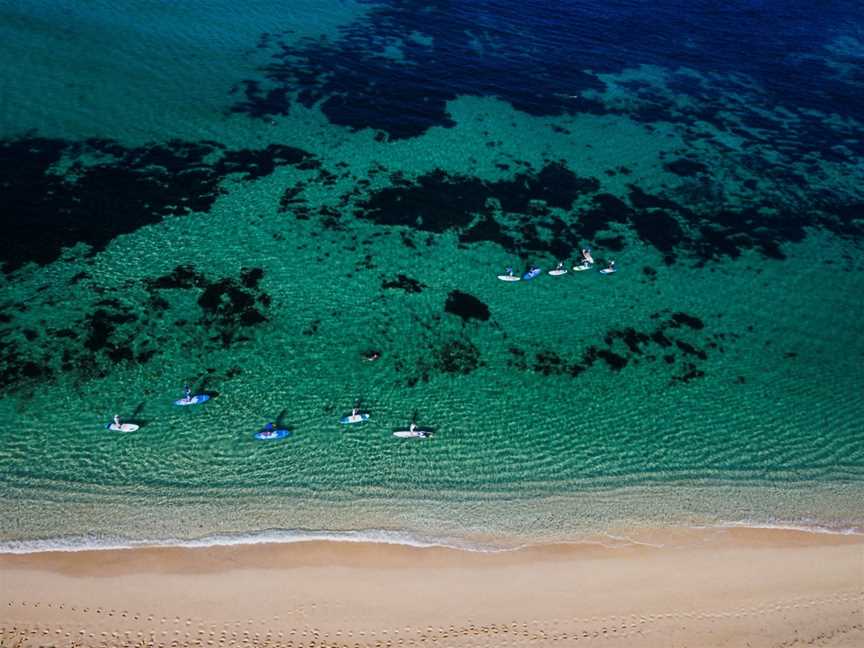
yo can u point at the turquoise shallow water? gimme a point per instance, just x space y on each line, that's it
714 379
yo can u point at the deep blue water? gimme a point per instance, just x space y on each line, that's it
537 55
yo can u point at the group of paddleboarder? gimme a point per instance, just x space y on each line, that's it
274 430
587 262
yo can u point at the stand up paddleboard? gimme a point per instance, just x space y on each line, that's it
582 267
267 435
608 271
557 272
354 418
123 427
416 433
528 276
509 278
194 400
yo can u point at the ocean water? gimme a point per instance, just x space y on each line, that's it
250 197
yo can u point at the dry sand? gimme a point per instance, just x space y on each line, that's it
736 588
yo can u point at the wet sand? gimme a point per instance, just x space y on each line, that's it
733 587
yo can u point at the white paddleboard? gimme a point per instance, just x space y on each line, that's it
123 427
582 267
509 278
608 271
412 434
199 398
354 418
558 273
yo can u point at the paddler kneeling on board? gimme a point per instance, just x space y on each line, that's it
117 420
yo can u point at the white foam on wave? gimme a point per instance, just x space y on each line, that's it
373 536
788 526
269 536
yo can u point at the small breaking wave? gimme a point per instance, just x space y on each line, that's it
803 525
269 536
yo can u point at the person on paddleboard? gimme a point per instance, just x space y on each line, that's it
611 267
421 433
268 430
509 271
187 393
586 255
117 420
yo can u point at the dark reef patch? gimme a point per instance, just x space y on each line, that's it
389 96
101 326
457 356
289 197
438 201
622 347
250 277
658 229
15 368
313 327
466 306
435 202
683 319
403 282
554 212
227 304
226 307
183 276
46 210
450 355
686 167
115 332
555 185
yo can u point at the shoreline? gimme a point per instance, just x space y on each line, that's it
76 544
714 588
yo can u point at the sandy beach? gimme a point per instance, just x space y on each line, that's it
733 587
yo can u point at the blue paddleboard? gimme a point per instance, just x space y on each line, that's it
269 434
198 398
528 276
